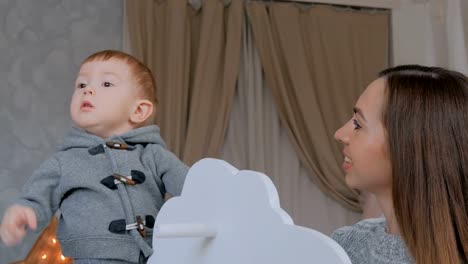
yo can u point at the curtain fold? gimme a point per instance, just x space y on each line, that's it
256 140
316 80
193 50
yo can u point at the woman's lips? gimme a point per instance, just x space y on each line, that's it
347 164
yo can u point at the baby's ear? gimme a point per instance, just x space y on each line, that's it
142 111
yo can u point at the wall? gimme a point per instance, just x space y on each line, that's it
41 46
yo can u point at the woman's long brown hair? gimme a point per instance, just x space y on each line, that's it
426 118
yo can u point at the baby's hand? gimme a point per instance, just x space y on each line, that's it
15 222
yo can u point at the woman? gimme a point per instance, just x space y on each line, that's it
407 143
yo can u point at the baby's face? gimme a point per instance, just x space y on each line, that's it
104 97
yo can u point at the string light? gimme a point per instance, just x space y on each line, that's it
48 247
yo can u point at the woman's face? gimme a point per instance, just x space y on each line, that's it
366 157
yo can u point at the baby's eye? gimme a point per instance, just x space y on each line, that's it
356 124
107 84
81 85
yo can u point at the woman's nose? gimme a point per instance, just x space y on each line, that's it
341 135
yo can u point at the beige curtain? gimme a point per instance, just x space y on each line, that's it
256 140
193 49
317 60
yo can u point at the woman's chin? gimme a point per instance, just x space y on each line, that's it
351 181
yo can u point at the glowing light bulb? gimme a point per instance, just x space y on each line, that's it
54 240
62 257
44 256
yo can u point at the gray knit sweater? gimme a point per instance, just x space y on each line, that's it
367 242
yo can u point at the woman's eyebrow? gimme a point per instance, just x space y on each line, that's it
358 112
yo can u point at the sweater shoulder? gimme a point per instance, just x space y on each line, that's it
359 231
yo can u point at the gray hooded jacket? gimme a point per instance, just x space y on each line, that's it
100 187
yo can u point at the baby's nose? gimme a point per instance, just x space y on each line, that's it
88 91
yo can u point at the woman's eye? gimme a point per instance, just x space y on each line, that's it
81 85
107 84
356 124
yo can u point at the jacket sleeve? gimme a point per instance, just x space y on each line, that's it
171 170
41 191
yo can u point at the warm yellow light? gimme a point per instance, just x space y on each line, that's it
44 256
62 257
54 240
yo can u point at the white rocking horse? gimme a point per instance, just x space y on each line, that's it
229 216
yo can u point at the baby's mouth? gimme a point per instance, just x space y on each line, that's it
86 105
